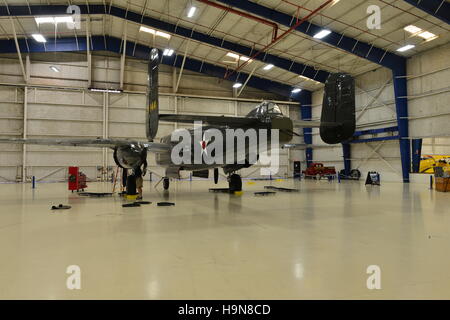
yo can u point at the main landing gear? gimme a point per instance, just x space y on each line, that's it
234 182
166 183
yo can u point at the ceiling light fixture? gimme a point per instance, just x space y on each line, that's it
406 48
163 34
168 52
38 37
53 68
268 67
105 90
296 90
148 30
154 32
53 20
237 85
427 35
191 12
322 34
238 57
412 29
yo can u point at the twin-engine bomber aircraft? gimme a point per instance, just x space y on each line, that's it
337 125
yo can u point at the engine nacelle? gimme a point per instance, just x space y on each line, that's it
130 157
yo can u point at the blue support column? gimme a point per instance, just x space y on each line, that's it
346 153
401 104
305 99
417 154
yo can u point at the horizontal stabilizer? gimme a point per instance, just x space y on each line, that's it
312 124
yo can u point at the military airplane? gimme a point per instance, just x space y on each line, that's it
337 125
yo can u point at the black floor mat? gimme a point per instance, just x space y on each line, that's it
281 189
95 194
219 190
266 193
60 207
129 205
143 202
165 204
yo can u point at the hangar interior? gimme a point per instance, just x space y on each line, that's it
89 80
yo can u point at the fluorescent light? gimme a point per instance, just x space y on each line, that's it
308 79
322 34
236 56
296 90
105 90
40 20
152 31
268 67
191 12
232 55
406 48
38 37
168 52
237 85
163 34
412 29
427 35
148 30
53 20
53 68
63 19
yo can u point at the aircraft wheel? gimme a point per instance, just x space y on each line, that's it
216 175
166 183
355 174
235 183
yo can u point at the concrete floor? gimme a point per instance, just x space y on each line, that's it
314 244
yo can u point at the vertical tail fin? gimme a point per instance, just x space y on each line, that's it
152 95
338 107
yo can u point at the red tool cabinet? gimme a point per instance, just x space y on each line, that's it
77 179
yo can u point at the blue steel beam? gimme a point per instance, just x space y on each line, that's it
283 63
401 106
107 43
417 154
439 9
364 50
346 154
306 114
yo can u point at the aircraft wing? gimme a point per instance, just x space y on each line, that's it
310 124
212 120
95 143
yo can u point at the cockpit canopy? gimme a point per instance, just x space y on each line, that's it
266 109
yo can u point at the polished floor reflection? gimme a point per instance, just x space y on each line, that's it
317 243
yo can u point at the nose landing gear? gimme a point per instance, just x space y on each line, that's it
234 182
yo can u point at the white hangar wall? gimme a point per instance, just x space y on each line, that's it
56 105
429 115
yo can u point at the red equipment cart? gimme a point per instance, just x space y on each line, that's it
77 179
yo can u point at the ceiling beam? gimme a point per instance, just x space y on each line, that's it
359 48
439 9
112 44
280 62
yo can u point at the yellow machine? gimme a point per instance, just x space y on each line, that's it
428 163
